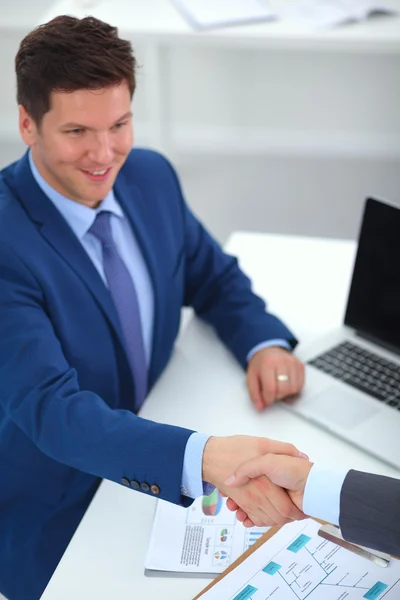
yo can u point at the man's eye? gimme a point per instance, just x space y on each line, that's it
120 125
75 131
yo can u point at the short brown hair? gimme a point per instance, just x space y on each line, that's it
68 54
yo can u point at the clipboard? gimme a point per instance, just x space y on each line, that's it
264 538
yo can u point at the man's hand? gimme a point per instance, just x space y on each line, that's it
272 374
263 502
288 472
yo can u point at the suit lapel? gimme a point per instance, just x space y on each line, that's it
59 235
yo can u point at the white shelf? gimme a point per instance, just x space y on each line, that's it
159 19
158 25
230 141
249 141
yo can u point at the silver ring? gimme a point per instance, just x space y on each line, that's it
283 378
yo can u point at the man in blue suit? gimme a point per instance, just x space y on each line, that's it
98 254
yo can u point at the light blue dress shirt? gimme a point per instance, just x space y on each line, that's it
80 218
322 493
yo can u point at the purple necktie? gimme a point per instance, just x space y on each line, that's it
124 295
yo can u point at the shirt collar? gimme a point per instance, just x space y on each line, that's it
78 216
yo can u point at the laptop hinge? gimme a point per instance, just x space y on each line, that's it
377 341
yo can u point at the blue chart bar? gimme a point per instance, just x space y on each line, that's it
272 568
298 544
246 593
375 591
253 536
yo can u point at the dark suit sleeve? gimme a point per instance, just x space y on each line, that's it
221 294
370 511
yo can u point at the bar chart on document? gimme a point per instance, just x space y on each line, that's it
204 538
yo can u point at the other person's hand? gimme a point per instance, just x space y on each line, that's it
263 502
288 472
273 373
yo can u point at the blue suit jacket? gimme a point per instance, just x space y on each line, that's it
66 390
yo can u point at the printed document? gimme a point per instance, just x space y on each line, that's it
206 14
296 563
202 539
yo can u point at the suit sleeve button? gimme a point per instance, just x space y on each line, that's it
125 481
155 489
144 487
135 484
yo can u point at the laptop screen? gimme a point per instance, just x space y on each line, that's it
373 307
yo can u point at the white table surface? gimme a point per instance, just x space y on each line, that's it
306 281
161 19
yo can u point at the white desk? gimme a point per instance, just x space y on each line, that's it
306 281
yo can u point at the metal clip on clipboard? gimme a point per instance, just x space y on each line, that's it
332 534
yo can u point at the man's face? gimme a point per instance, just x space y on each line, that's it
82 142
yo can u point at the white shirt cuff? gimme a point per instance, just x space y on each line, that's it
192 483
322 493
281 343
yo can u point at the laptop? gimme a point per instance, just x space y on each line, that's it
353 374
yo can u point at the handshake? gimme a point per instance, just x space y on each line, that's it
263 479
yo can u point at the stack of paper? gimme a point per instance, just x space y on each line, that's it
328 13
201 540
207 14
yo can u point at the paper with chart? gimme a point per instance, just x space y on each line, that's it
297 564
202 539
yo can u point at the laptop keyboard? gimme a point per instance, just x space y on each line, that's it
363 370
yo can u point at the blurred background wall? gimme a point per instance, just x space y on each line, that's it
287 139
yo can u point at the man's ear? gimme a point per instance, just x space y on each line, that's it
27 126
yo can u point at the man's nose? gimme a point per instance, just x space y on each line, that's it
101 151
